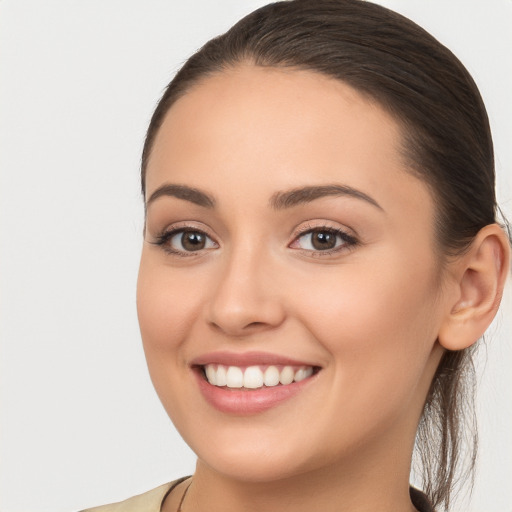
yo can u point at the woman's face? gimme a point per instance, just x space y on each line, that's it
284 235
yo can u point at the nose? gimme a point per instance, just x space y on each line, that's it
246 298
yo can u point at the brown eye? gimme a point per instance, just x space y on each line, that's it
323 240
183 241
193 241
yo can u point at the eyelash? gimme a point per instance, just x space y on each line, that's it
163 240
348 241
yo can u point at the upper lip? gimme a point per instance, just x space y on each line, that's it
246 359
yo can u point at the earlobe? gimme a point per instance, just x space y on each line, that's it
481 275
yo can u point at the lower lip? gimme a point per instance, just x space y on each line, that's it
248 401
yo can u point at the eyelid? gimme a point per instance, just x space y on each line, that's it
348 235
319 224
166 235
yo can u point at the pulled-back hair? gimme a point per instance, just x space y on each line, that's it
446 142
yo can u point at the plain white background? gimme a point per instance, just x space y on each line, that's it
80 422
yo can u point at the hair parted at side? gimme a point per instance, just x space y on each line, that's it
446 143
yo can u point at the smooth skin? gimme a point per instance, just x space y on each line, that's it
375 312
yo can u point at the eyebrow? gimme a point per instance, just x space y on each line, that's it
182 192
294 197
278 201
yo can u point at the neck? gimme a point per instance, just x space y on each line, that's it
353 487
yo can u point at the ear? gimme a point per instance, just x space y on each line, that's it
480 276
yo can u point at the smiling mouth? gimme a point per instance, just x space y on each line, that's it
255 377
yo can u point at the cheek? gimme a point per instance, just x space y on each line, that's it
392 287
379 335
379 326
167 304
166 307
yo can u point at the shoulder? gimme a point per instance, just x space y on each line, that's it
149 501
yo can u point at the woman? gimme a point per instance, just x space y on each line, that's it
321 253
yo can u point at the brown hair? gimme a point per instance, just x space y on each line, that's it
446 143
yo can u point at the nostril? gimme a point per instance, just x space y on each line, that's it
238 327
254 324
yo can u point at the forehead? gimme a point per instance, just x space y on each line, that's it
278 128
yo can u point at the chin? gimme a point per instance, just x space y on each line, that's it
255 467
257 454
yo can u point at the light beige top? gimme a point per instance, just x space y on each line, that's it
150 501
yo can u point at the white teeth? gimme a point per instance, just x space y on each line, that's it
287 375
211 374
234 377
271 377
254 377
302 374
221 376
